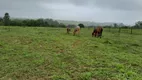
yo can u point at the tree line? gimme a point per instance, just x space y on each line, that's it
138 25
6 21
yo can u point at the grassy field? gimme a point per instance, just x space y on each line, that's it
33 53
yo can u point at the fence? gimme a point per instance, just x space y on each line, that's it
124 30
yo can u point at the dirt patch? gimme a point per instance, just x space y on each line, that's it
107 42
94 79
25 40
76 43
60 51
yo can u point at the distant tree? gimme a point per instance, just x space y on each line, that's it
29 22
62 25
32 22
46 24
16 22
40 22
125 27
72 26
115 25
50 21
138 24
106 26
1 21
24 22
6 19
81 25
13 23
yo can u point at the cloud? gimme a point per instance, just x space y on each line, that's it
23 8
135 5
126 11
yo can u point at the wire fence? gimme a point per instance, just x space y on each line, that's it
125 30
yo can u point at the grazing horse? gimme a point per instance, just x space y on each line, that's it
97 32
68 29
76 30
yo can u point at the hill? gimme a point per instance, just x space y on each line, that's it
88 23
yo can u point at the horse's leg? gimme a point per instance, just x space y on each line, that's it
78 32
74 33
96 34
100 34
68 31
93 34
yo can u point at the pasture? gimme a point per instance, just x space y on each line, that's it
41 53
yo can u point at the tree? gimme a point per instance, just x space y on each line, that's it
6 19
62 25
46 24
138 24
40 22
81 25
1 21
16 22
56 23
115 25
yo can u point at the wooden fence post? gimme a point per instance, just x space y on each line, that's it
131 30
119 29
109 29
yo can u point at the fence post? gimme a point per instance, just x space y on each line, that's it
131 30
109 29
119 29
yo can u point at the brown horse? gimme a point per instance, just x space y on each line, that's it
76 30
68 30
97 32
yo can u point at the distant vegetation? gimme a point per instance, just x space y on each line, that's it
6 21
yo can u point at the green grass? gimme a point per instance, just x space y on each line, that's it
34 53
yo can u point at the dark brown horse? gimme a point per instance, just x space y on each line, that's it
97 32
68 29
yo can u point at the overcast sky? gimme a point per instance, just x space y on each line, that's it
125 11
